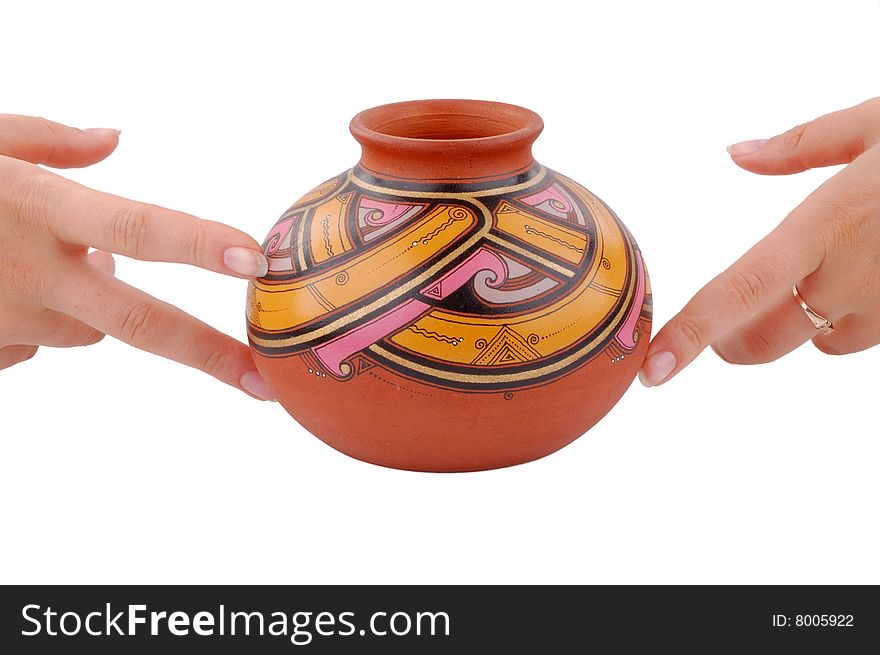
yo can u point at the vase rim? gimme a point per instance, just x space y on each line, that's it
446 139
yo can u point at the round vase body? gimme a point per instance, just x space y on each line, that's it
449 304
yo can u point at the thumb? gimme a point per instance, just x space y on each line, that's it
836 138
41 141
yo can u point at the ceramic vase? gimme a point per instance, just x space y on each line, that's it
449 304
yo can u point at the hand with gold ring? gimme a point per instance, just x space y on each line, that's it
816 276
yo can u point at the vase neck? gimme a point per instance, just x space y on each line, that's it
446 140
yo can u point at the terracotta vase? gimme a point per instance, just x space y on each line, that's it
449 304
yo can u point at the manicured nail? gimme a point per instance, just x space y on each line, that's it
657 368
247 262
103 132
253 383
744 148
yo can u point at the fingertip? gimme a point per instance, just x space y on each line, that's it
103 261
754 157
74 148
102 143
246 262
239 253
254 384
103 133
746 148
80 155
41 141
657 368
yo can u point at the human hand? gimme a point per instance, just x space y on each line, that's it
53 293
829 246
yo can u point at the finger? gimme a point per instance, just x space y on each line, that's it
12 355
779 330
89 218
836 138
132 316
851 334
103 261
41 141
54 329
739 294
60 331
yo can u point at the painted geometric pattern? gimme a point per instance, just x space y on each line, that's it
459 286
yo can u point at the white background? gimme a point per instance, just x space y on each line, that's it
116 466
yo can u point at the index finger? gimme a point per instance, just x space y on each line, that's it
83 216
770 268
836 138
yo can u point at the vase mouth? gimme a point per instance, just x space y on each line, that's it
446 140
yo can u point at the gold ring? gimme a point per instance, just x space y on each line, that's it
822 324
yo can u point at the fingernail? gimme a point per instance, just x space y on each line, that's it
657 368
247 262
103 132
744 148
253 383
